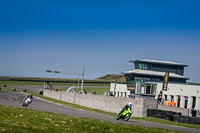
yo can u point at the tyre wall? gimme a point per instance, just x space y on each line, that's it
183 111
172 116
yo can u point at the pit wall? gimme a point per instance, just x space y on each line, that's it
105 103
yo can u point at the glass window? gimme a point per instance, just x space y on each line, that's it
137 66
193 102
153 89
179 101
143 90
172 97
165 97
148 89
186 102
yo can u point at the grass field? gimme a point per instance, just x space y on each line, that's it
99 91
19 120
2 83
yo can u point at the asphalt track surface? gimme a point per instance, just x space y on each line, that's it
15 99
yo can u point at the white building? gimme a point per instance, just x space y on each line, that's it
147 81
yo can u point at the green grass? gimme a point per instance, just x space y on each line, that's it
18 120
99 91
146 119
2 83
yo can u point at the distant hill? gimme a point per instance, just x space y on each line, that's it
190 83
112 78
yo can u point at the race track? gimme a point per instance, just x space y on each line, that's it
11 98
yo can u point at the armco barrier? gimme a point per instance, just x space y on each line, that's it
183 111
172 116
102 102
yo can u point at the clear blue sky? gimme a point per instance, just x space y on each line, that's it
102 36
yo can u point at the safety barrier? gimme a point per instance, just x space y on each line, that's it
172 116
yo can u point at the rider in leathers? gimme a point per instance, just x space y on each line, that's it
29 96
128 106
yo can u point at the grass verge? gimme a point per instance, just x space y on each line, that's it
20 120
2 83
99 91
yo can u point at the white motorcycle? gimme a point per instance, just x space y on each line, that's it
26 102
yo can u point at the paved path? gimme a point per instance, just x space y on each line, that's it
15 99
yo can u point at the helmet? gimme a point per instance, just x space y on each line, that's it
130 104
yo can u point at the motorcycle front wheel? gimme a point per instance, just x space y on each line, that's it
117 117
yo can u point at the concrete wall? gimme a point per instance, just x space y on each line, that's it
102 102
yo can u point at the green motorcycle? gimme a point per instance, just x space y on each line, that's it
126 114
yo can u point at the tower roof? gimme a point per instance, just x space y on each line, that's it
154 73
158 62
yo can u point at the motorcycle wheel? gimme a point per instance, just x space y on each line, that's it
127 117
117 117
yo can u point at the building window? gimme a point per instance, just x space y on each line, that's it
179 101
172 97
121 94
142 88
165 97
153 89
186 102
193 102
124 94
148 88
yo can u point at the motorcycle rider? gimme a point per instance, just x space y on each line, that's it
29 97
127 106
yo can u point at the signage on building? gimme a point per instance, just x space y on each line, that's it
165 81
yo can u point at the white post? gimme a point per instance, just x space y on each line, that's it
82 78
182 101
78 80
189 102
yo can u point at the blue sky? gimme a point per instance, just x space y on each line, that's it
102 36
